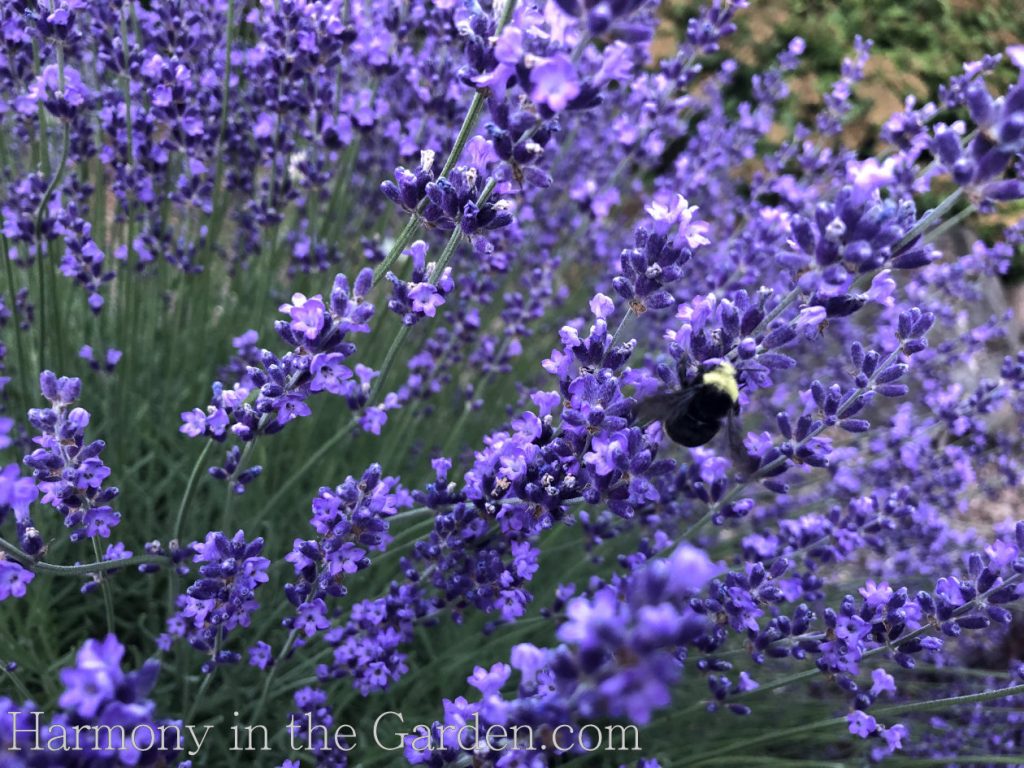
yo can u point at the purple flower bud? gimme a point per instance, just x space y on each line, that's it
1004 190
892 390
778 337
855 425
980 104
946 145
914 258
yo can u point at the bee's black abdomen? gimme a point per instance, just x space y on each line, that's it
711 404
690 431
702 420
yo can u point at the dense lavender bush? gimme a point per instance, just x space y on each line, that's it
415 538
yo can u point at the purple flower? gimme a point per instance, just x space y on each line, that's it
875 594
609 454
350 520
261 655
676 218
307 315
882 681
894 735
861 724
554 82
425 298
291 407
490 681
310 617
94 678
13 579
330 374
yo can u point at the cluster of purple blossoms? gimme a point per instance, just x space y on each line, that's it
17 494
314 726
222 597
69 471
979 168
621 653
83 260
423 293
460 199
106 717
351 520
655 262
370 647
274 391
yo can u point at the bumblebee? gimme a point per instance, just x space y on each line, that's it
693 414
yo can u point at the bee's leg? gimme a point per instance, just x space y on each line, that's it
683 369
743 461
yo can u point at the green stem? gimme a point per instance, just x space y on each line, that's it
312 461
930 218
622 324
435 276
389 360
476 107
949 223
446 255
258 712
340 190
26 393
226 85
949 701
201 693
29 563
229 500
219 194
963 760
401 243
108 600
16 682
189 490
54 182
799 730
39 214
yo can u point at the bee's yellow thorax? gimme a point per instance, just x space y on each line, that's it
723 377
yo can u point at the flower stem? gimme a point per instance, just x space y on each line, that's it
189 490
200 694
476 107
108 600
917 706
38 220
311 462
16 682
19 345
258 711
949 223
401 242
925 222
29 563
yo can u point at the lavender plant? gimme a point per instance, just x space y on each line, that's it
391 317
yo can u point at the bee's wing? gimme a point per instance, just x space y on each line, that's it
664 407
